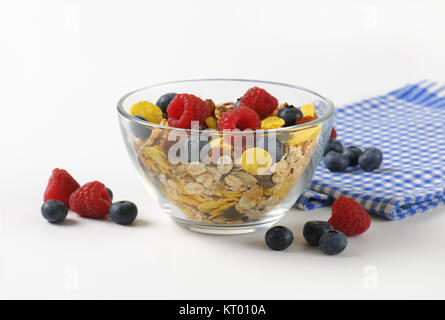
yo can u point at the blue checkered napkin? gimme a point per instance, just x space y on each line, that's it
408 125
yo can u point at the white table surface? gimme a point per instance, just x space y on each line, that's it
64 64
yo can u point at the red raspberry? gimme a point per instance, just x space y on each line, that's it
239 118
259 100
349 217
333 133
185 108
60 186
91 200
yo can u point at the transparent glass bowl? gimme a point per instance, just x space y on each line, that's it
220 196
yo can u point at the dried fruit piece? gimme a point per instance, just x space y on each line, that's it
265 181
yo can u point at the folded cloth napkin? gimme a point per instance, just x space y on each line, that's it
408 125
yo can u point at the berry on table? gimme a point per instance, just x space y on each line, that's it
290 115
333 242
185 108
370 159
165 100
279 238
148 110
333 145
60 186
313 230
262 102
123 212
91 200
349 217
353 154
241 118
54 211
333 133
336 161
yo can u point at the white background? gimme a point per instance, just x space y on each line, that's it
64 65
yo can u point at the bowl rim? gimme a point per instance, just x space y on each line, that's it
329 114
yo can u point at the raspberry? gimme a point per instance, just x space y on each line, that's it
349 217
185 108
91 200
259 100
60 186
333 133
239 118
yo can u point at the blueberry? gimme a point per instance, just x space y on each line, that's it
165 100
139 130
313 230
333 145
290 114
353 153
237 102
333 242
54 211
336 161
272 145
123 212
279 238
370 159
110 193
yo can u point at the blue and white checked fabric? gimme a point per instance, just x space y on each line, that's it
408 125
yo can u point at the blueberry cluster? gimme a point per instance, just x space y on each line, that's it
337 158
317 234
322 234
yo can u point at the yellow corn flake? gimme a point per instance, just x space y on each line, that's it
303 135
272 123
212 123
233 194
210 205
158 156
256 161
220 143
220 210
188 200
308 110
148 110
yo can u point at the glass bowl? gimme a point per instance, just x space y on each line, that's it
221 185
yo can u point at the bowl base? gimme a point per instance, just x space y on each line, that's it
230 229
